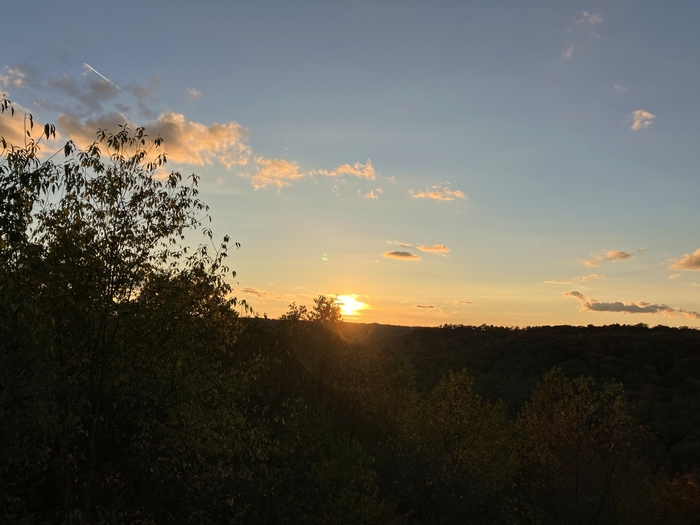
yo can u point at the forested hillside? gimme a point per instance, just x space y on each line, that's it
659 368
136 389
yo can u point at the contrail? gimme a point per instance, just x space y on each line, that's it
85 64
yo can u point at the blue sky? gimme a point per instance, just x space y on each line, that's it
535 160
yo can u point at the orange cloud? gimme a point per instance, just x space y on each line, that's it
372 195
279 173
12 127
363 171
274 173
612 255
690 261
438 192
641 119
581 279
405 256
435 248
184 141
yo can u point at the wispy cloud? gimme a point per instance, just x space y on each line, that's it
589 19
674 276
12 77
612 255
192 93
463 303
279 173
582 279
641 119
584 28
690 261
435 248
363 171
619 88
405 256
402 244
250 290
638 307
439 192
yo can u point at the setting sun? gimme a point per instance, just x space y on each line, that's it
349 305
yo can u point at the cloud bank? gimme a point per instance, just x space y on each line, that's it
98 103
638 307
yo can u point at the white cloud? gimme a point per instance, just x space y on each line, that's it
568 53
192 93
637 307
641 119
674 276
690 261
439 192
12 77
621 88
589 19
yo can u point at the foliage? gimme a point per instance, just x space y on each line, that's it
467 433
579 446
325 309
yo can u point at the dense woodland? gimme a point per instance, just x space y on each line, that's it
135 389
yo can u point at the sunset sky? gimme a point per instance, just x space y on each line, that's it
504 162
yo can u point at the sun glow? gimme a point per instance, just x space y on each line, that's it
349 305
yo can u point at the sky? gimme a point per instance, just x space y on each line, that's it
511 163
